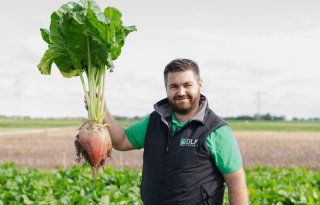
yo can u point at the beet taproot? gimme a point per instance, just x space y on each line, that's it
93 144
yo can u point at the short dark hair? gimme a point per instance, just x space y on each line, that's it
180 65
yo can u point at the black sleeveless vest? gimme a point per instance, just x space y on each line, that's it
179 169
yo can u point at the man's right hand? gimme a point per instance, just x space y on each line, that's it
118 137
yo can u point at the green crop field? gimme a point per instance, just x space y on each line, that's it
278 126
10 124
7 124
75 185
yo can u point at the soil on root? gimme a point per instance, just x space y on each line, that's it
93 145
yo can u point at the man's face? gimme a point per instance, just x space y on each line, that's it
183 91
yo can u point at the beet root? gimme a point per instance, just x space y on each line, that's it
93 144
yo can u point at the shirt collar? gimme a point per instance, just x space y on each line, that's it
176 122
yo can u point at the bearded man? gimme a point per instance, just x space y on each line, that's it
190 153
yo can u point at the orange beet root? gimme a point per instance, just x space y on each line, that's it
93 144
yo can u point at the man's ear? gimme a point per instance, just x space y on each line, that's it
200 83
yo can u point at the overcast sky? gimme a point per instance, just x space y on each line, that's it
254 56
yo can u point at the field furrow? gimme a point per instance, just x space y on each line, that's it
53 148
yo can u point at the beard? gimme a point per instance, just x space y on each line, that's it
183 108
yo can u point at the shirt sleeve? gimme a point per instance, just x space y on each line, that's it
224 150
136 133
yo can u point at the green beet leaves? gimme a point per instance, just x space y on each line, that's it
71 27
84 39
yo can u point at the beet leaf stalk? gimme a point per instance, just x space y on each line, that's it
95 94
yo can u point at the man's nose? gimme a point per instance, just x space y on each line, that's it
181 91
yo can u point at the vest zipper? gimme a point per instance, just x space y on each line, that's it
169 139
169 134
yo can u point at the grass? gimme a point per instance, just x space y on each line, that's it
277 126
8 124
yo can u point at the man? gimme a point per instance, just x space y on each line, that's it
189 152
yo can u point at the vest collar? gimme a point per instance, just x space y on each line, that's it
164 109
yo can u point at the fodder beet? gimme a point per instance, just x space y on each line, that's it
93 144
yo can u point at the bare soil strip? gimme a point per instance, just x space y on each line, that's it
54 148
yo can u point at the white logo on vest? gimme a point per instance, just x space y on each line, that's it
188 142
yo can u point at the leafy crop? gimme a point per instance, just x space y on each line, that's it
83 39
283 186
72 186
267 186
